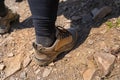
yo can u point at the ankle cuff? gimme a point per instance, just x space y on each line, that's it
44 41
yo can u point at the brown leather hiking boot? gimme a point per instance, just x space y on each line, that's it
6 21
65 41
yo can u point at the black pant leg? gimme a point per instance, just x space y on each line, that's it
3 10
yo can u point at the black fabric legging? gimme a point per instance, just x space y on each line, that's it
3 10
44 14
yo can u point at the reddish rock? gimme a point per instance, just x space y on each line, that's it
105 62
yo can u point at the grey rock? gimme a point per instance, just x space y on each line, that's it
100 13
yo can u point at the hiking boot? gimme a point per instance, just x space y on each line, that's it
7 20
65 41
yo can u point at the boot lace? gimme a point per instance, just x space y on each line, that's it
62 32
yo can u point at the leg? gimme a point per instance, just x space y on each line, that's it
44 13
50 40
3 10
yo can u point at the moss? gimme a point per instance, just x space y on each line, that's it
118 22
109 24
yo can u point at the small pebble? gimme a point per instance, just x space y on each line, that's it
2 66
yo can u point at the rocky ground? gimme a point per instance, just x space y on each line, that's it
96 56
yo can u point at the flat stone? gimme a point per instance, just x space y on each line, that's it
26 61
105 62
13 64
